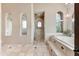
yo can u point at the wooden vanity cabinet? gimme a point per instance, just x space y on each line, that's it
56 48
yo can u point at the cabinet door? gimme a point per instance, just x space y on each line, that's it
76 27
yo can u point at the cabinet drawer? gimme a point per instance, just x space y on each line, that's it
58 48
67 51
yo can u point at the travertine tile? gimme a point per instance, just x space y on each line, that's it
37 49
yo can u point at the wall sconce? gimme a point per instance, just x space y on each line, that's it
67 15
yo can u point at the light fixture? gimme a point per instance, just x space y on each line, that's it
73 20
67 15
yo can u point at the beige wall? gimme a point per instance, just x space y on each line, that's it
0 29
0 22
50 15
16 10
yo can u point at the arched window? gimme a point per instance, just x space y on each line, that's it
59 22
23 23
8 24
39 24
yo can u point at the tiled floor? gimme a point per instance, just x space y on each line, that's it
36 49
40 50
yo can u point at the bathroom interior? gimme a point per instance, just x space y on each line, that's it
38 29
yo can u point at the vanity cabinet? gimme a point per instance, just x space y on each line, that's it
56 48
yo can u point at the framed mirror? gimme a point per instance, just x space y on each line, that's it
8 24
23 26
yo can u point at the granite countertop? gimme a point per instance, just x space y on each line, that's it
65 40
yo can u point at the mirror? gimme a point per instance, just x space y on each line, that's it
59 22
8 26
23 24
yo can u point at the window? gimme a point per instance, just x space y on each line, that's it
59 22
8 25
39 24
23 24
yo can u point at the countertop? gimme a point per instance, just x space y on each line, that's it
65 40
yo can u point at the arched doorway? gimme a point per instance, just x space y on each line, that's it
39 27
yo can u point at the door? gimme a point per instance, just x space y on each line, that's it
77 29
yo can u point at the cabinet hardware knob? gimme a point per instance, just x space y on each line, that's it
62 47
